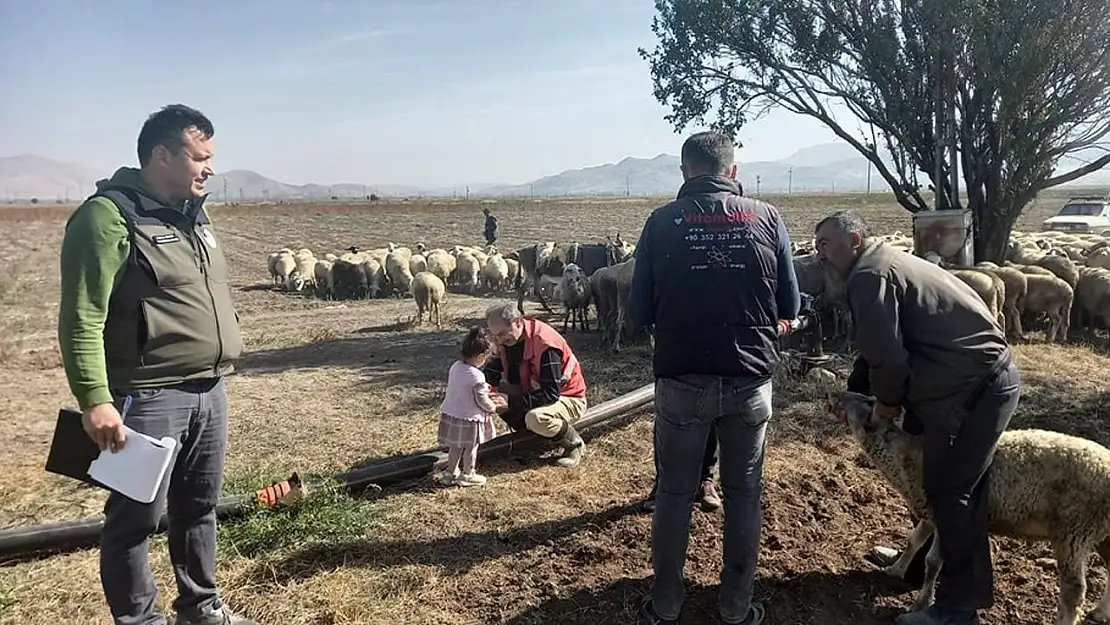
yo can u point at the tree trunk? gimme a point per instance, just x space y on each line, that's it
993 228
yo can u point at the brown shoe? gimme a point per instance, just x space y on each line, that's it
707 496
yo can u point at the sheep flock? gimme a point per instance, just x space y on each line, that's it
574 275
1057 277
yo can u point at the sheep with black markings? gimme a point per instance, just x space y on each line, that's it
1044 486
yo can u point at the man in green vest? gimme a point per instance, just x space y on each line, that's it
147 332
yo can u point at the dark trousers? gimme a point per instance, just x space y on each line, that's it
957 475
708 461
195 414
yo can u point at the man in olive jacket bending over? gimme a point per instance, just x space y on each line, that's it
146 313
935 350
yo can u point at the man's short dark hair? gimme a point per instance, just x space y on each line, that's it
167 127
847 222
708 153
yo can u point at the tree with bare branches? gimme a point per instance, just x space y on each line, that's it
1027 82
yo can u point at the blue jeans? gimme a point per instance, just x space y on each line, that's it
686 408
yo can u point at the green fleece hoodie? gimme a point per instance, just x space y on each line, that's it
95 255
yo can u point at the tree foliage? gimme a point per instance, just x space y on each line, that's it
1030 79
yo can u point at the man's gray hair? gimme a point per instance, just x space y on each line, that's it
503 313
847 222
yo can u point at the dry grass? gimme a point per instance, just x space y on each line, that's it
325 386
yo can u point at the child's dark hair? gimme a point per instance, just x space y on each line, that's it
477 342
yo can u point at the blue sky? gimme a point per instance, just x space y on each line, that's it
371 91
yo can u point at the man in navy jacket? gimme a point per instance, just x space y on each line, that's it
715 277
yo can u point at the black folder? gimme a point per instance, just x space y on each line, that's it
71 450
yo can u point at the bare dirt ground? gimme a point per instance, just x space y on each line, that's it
324 386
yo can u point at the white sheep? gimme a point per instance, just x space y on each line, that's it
323 278
990 289
397 270
281 264
429 292
1044 486
576 295
417 264
442 264
1053 297
374 274
1016 289
467 270
495 273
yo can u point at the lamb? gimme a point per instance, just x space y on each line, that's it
495 272
428 291
576 297
467 270
1044 486
1052 296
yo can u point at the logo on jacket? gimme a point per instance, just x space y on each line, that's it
208 237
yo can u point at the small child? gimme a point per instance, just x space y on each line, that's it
466 415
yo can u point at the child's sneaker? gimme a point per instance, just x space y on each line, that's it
471 479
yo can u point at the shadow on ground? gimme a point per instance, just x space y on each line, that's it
453 555
817 598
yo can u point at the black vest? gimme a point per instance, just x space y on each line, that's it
170 317
715 274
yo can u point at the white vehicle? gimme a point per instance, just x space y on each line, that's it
1087 215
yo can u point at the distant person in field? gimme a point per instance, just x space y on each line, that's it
541 377
467 411
146 312
715 277
491 227
933 349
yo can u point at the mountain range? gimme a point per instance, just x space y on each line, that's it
827 167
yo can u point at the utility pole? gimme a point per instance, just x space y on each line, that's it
758 184
468 192
628 185
225 190
790 180
868 176
532 191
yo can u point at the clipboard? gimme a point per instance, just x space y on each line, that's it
71 449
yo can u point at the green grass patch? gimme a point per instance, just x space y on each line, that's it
327 514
